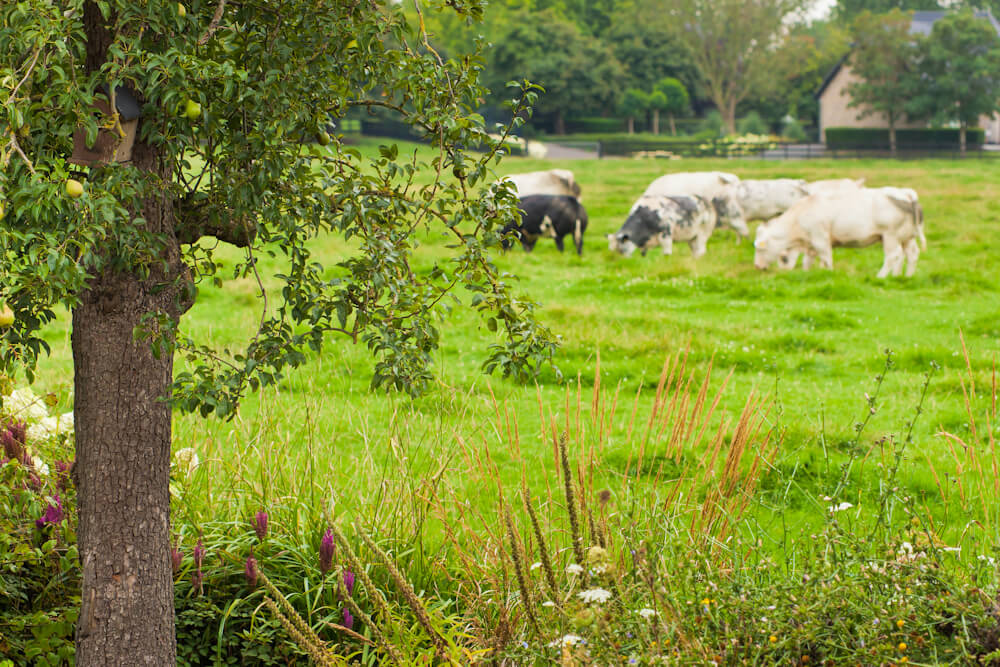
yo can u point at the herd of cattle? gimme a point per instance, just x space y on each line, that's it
798 218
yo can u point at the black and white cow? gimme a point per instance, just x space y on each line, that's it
554 216
659 220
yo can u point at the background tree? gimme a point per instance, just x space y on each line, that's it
250 80
647 48
884 57
732 44
959 72
847 10
578 74
676 99
634 103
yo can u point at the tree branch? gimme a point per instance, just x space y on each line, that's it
214 25
193 223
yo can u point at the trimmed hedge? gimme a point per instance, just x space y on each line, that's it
869 138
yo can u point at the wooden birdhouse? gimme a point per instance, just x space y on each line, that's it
114 139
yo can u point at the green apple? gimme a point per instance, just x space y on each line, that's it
322 138
74 188
181 11
192 109
6 317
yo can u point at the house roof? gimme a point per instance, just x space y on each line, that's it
921 24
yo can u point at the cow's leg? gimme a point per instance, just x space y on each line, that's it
893 263
912 250
667 243
697 245
559 243
825 257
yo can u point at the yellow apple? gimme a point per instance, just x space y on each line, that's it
74 188
181 11
6 317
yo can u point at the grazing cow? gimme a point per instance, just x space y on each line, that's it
551 182
715 186
834 185
819 222
766 199
554 216
658 220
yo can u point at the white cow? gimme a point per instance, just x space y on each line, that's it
766 199
717 187
834 185
550 182
821 221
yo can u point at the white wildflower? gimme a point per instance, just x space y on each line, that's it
841 507
573 568
954 550
65 422
23 404
43 430
647 613
548 603
598 595
906 548
41 466
186 459
535 566
989 559
567 640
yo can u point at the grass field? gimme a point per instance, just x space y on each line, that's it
812 342
801 494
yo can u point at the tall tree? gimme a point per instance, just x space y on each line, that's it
578 73
959 72
635 102
123 249
675 99
642 40
732 43
884 57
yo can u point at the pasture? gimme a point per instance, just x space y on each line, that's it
812 342
843 439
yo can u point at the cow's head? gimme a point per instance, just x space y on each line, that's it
768 248
640 231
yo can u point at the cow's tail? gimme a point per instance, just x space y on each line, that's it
578 237
918 216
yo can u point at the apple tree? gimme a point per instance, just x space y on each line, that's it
232 96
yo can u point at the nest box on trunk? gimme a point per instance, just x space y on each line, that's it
114 139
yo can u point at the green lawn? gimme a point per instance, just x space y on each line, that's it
813 342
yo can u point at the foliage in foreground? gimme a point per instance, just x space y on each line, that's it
666 558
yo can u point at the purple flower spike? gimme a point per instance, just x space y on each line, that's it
348 619
251 570
176 557
63 479
197 579
199 555
326 552
53 514
260 525
349 581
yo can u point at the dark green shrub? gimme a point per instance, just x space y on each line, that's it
865 138
752 123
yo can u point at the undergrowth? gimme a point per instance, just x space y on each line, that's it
657 536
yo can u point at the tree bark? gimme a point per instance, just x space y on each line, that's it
962 136
560 127
656 121
892 135
123 430
673 127
631 125
729 116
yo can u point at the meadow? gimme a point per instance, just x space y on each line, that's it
788 395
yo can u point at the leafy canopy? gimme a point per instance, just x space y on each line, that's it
268 78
